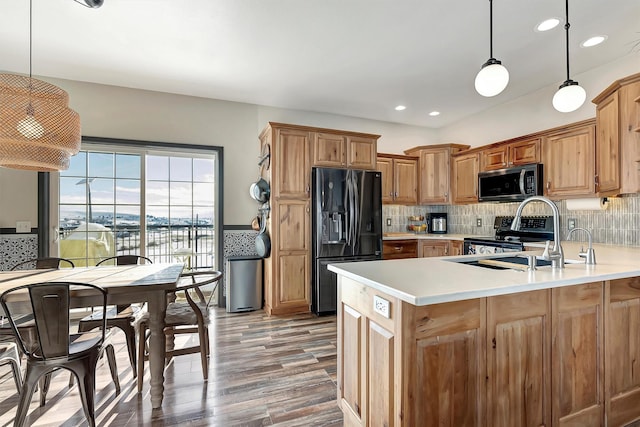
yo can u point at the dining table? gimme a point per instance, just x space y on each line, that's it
124 284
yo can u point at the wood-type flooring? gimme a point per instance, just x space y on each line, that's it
264 371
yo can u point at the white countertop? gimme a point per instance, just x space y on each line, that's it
424 281
423 236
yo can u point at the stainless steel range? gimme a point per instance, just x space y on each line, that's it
532 229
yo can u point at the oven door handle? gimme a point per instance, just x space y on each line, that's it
522 176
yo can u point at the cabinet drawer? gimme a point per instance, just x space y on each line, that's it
397 249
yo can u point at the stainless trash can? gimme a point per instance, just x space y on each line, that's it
243 283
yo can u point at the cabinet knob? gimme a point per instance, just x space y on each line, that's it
396 195
308 189
548 185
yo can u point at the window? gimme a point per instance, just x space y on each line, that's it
144 199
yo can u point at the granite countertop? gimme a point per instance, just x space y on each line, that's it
424 281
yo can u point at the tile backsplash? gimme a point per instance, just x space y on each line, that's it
618 224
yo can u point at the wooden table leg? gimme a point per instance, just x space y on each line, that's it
157 310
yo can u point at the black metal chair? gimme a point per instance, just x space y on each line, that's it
57 347
123 317
43 263
189 314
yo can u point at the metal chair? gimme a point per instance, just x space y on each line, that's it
123 317
57 346
43 263
186 315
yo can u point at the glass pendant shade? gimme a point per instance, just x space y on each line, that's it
492 78
38 130
569 97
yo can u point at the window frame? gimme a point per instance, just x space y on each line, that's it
48 188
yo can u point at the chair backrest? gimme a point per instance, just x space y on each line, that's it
125 260
193 283
49 304
44 263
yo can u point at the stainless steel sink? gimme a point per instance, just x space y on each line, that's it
519 262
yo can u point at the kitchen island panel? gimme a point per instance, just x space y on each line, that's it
622 388
445 364
578 355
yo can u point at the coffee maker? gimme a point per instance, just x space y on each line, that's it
437 223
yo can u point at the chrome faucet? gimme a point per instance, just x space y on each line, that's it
590 255
555 255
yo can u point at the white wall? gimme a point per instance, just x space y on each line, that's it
534 112
116 112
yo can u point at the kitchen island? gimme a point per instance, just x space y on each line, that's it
435 342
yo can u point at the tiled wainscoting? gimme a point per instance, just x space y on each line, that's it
15 248
618 224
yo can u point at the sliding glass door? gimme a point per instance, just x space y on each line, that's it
140 199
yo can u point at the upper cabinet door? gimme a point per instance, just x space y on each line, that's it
569 163
291 164
435 175
608 145
494 158
405 173
329 150
385 166
465 178
361 153
524 152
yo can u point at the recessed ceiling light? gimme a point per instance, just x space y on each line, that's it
547 24
400 108
434 113
593 41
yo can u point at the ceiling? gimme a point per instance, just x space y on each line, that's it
357 58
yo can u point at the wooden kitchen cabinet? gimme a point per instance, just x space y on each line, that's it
290 164
511 154
622 343
457 247
519 360
343 151
618 137
368 354
293 151
578 355
465 178
399 179
399 249
569 162
434 173
445 365
433 248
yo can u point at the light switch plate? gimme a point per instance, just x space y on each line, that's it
381 306
388 222
571 223
23 226
478 222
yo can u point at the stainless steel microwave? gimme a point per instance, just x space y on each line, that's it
510 185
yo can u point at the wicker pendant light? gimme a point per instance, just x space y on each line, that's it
38 130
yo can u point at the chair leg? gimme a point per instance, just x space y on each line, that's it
142 348
202 333
111 357
29 386
130 336
14 360
45 382
86 372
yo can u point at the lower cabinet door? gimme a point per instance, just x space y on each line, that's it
380 371
578 355
518 360
350 390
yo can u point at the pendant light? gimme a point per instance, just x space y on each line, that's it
570 95
38 130
493 77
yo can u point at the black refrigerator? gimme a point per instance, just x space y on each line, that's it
346 227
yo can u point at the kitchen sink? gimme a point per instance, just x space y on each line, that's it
519 262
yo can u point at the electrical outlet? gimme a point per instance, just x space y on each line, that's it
381 306
388 222
572 223
23 226
478 222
